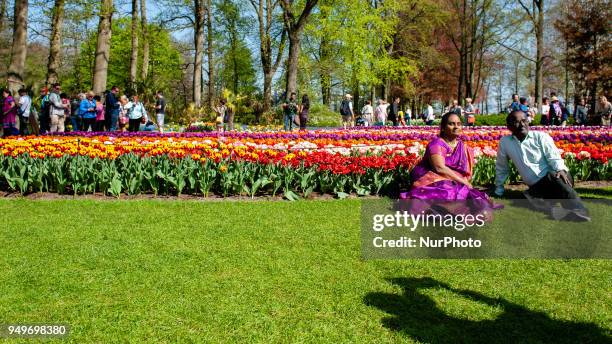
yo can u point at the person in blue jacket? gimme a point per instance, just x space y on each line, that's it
87 109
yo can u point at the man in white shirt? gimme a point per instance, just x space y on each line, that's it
429 118
380 113
368 113
540 165
25 107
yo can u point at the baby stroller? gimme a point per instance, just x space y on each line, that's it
360 121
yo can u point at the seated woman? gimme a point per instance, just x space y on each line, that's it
445 171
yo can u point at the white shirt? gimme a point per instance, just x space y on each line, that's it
367 110
25 103
545 109
534 158
138 111
381 112
430 113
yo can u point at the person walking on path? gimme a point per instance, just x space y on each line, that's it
160 110
220 110
429 115
99 126
25 109
137 115
303 111
394 110
57 110
87 109
603 111
380 113
515 105
368 113
289 111
545 119
9 114
581 113
470 113
112 109
346 111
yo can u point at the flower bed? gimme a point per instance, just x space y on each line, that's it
338 162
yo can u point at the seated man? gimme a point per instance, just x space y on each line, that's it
540 165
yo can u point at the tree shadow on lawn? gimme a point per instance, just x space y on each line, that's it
416 314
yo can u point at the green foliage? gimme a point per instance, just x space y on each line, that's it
321 116
165 63
358 36
237 70
499 120
133 174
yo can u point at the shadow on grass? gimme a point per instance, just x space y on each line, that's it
594 193
417 315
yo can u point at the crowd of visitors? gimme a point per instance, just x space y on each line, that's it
55 112
553 112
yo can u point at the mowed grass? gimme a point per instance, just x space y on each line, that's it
188 271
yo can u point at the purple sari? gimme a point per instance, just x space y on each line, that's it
430 186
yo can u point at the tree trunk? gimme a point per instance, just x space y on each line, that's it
539 72
292 63
144 73
134 56
76 71
2 13
19 48
267 92
469 52
325 75
100 72
210 51
56 42
355 84
486 98
294 28
235 64
199 43
265 18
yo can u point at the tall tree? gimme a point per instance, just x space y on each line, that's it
198 39
56 42
210 53
238 73
535 12
472 34
100 73
585 27
2 13
19 48
145 40
134 55
265 10
294 24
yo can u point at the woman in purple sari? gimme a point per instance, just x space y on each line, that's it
445 171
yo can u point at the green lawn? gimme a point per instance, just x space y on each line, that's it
171 271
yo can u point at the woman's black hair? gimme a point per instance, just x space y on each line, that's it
305 102
7 91
444 122
63 95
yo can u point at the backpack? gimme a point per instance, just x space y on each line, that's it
345 108
45 108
